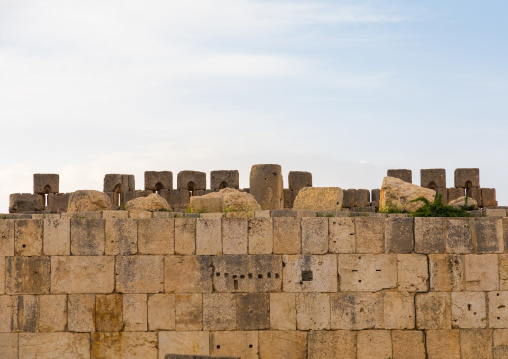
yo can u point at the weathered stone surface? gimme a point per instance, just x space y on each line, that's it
299 179
446 272
57 237
402 174
25 202
185 236
398 194
282 344
429 235
157 180
156 236
140 214
399 311
189 311
469 310
81 313
252 311
481 272
314 235
152 203
88 200
19 313
209 203
356 310
463 176
224 179
135 312
188 274
2 275
27 275
319 199
184 343
310 273
260 236
374 344
408 344
443 344
208 236
6 237
328 344
191 180
161 312
52 313
433 311
88 237
461 201
503 271
342 237
9 345
28 237
121 237
433 178
108 312
266 186
124 345
75 274
219 311
313 311
239 344
476 343
459 239
286 236
500 344
399 235
234 235
369 235
54 345
498 312
489 235
488 197
139 274
283 311
413 273
234 200
367 272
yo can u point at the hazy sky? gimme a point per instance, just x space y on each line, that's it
344 89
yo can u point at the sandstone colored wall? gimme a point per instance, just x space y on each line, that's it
95 286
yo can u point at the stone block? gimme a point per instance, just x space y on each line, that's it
178 198
443 344
242 273
124 345
54 345
282 344
314 235
161 312
260 236
284 213
399 235
481 272
498 312
342 237
188 274
500 344
57 237
2 275
189 311
467 177
52 313
299 179
81 311
503 271
446 272
108 312
488 197
25 202
6 306
121 237
192 342
494 212
9 345
239 344
135 311
286 236
367 272
399 311
266 186
489 235
310 273
444 194
412 273
19 313
349 199
191 181
356 310
27 275
234 235
476 343
157 180
283 311
88 237
433 178
252 311
208 236
219 311
369 235
433 310
408 344
328 344
185 236
375 194
6 237
374 344
139 274
76 274
429 235
476 194
405 175
45 183
156 236
145 193
224 179
119 183
454 193
469 310
459 239
28 234
140 214
313 311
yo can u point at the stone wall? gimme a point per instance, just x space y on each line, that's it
96 286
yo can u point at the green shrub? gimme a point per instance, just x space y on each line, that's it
439 209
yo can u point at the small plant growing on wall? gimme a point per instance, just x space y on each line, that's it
439 209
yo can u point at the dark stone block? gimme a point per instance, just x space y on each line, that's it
405 175
45 183
433 178
467 177
224 179
399 235
298 180
191 180
253 311
157 180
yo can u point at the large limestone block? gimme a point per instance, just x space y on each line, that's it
459 238
234 200
282 344
429 235
446 272
433 311
374 344
252 311
208 236
125 345
396 193
287 236
370 234
266 186
469 310
313 311
356 310
140 274
57 236
161 312
500 346
234 235
310 273
188 274
28 237
192 343
283 311
342 237
443 344
19 313
328 344
413 273
52 313
408 344
209 203
498 311
399 311
476 343
489 235
260 236
156 236
27 275
9 345
135 312
367 272
88 236
88 200
219 311
241 344
185 236
152 203
121 236
481 272
54 345
6 237
314 235
108 312
319 199
81 313
189 311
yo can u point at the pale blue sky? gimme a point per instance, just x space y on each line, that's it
344 89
